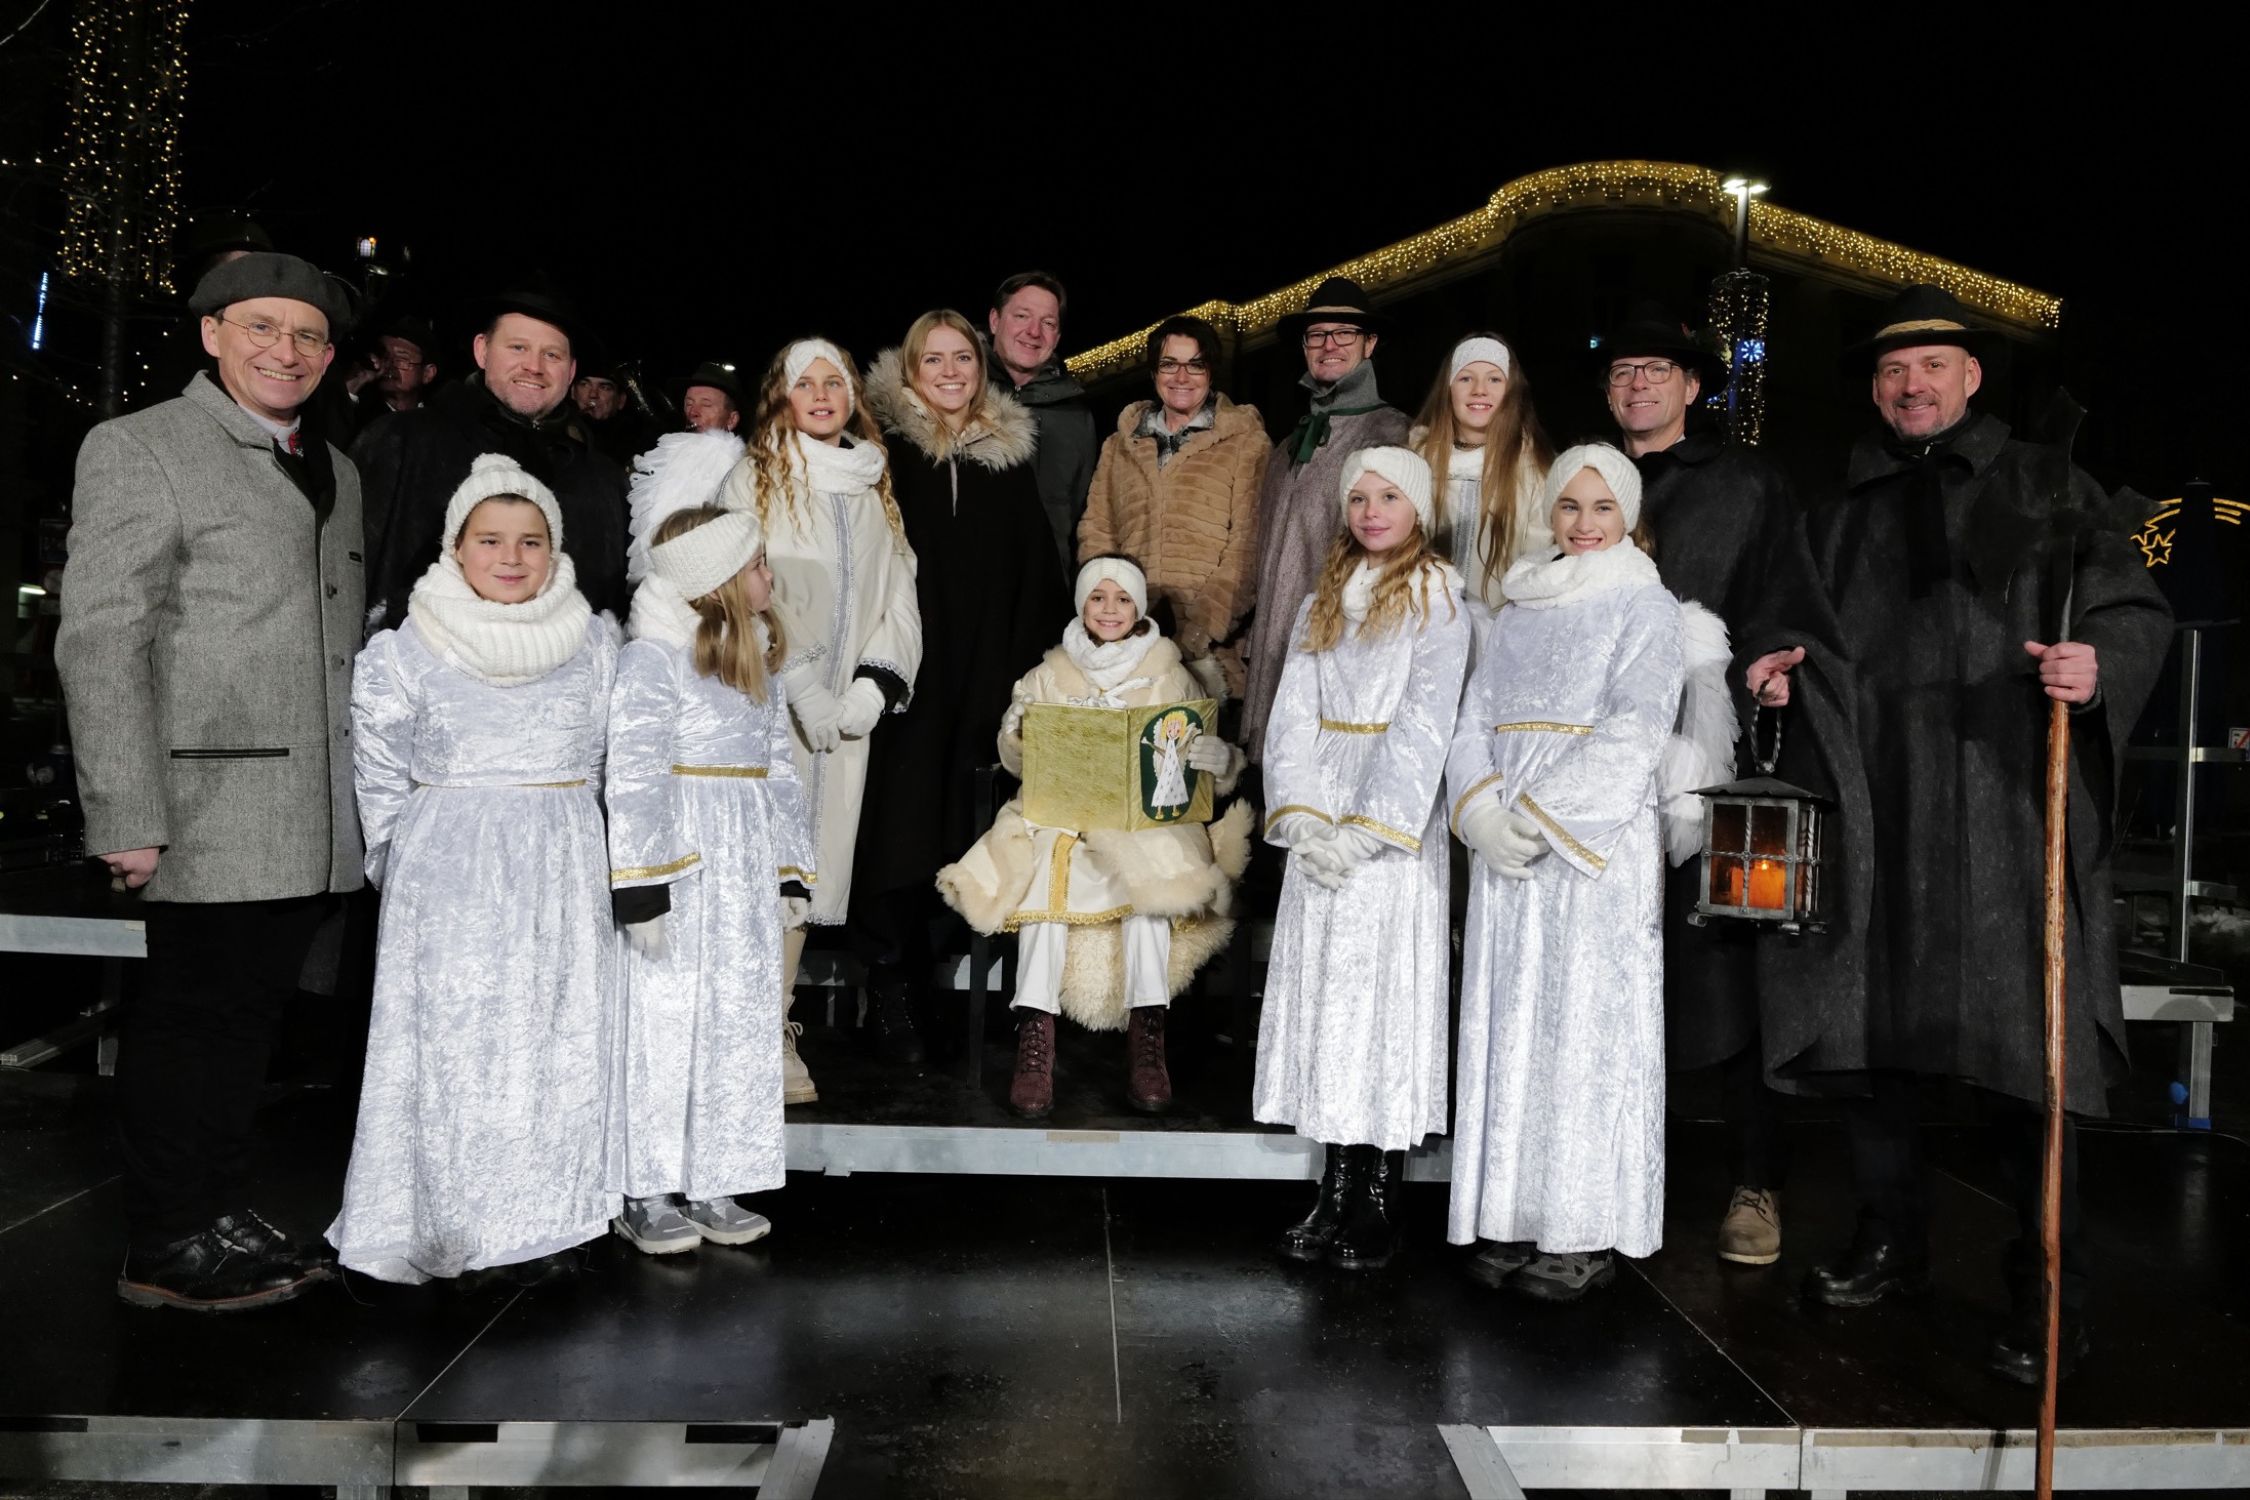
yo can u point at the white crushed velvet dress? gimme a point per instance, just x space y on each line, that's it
481 1136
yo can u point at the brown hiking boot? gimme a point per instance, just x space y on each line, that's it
1031 1093
1148 1082
1750 1234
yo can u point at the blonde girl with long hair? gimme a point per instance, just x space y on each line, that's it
708 834
1352 1045
818 479
1479 435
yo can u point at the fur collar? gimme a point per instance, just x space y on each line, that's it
1548 578
1105 683
1228 418
1000 434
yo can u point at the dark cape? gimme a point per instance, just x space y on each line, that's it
992 601
1941 559
1730 536
410 469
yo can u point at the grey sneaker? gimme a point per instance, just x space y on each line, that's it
1565 1277
655 1227
1750 1234
723 1221
1497 1260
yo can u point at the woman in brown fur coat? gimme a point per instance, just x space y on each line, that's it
1177 489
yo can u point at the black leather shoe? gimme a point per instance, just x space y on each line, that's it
1308 1238
2018 1352
247 1232
208 1272
890 1019
1368 1237
1868 1273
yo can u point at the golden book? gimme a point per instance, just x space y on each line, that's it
1122 768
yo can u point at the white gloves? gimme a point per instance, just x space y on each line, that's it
819 715
1214 756
795 910
1297 829
648 937
1322 863
1354 846
1507 841
860 708
1328 854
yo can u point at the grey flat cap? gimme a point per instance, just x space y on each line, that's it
268 273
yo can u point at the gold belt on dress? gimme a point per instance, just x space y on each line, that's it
537 786
1339 726
755 773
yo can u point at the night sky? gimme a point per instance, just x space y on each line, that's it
713 182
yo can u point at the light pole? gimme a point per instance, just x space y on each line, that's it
1739 306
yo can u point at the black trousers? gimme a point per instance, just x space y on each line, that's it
1757 1141
193 1050
1893 1183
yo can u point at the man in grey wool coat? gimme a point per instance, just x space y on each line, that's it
210 613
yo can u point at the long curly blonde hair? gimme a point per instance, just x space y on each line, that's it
726 637
1402 587
773 428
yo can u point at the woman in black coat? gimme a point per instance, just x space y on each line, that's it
991 593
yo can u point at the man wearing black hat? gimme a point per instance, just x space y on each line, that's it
1297 511
210 616
1976 579
1729 536
517 403
614 424
710 397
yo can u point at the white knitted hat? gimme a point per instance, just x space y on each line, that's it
1617 471
1118 570
696 562
497 474
798 358
1470 350
1404 468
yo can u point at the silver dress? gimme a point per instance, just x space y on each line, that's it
1559 1133
481 1133
703 795
1351 1046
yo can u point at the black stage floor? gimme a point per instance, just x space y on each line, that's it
1070 1336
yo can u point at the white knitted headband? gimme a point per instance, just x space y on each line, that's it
1469 351
698 561
1120 571
798 358
1617 471
497 474
1404 468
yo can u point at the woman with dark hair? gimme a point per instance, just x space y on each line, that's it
1176 489
990 589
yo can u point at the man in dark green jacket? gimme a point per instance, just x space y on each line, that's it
1026 328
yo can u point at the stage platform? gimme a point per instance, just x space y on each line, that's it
908 1333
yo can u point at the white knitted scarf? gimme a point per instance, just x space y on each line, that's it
1359 589
1549 579
506 645
1108 665
660 613
833 469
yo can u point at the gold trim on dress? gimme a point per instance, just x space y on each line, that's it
1339 726
646 872
754 773
1385 830
1015 921
804 877
1282 812
1058 872
1563 834
530 786
1454 822
1548 725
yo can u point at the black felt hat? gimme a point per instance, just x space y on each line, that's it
541 301
1651 329
1919 316
1336 300
412 327
268 273
715 374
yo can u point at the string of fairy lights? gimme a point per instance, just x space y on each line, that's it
122 181
1777 234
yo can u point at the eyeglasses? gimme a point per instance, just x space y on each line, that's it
1655 371
265 335
1176 366
1342 338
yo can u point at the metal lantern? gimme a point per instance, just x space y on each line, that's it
1761 858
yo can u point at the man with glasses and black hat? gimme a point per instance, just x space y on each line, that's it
1297 514
1976 579
517 403
1729 536
210 616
